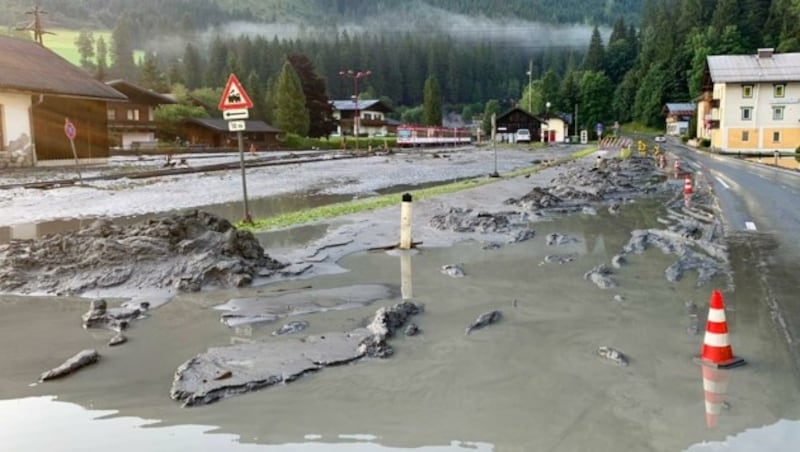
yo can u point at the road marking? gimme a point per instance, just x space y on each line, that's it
750 225
722 182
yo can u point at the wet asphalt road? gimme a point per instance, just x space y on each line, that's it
759 205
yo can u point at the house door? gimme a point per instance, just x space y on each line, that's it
552 136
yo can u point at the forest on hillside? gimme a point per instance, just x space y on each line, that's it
622 73
159 16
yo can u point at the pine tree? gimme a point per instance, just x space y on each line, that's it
192 67
432 104
122 64
492 108
85 44
151 76
320 111
102 60
290 113
595 55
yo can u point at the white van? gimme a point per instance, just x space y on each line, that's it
522 136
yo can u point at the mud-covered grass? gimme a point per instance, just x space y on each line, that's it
377 202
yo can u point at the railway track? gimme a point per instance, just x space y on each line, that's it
177 170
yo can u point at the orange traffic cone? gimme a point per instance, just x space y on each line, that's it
687 185
717 351
715 386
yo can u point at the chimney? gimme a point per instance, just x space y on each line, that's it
765 53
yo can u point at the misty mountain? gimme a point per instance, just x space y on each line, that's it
160 16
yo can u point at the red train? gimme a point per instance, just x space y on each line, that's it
413 136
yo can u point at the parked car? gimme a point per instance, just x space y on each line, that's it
661 139
522 136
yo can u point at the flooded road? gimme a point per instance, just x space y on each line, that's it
532 381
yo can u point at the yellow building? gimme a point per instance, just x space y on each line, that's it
751 103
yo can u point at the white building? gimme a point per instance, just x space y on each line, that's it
751 103
371 116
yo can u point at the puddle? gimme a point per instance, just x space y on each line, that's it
233 211
532 381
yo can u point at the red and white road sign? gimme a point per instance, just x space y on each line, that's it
69 129
233 96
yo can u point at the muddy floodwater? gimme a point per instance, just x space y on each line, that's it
532 381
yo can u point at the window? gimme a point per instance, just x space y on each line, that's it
776 137
777 113
133 114
778 90
112 114
747 113
747 91
745 135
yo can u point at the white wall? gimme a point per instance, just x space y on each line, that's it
128 138
16 117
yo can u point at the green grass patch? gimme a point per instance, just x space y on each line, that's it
635 127
377 202
63 44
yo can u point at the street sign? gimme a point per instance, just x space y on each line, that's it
598 128
239 113
233 96
236 126
69 129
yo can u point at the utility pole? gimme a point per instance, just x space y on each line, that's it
355 75
530 82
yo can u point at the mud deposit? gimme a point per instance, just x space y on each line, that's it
183 252
551 361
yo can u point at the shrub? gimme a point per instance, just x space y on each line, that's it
705 142
797 154
685 139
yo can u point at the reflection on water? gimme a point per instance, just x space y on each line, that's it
71 427
715 387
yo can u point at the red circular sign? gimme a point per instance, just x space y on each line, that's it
69 129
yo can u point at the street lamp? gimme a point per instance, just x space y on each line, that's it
355 75
530 83
547 120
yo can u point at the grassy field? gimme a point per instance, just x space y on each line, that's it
63 43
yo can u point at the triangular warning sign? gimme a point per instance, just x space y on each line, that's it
233 96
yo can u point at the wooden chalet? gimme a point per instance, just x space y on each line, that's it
213 133
39 90
132 123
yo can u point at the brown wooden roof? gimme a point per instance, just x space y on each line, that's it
140 93
30 68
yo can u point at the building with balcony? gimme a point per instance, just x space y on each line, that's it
371 116
751 103
131 123
678 116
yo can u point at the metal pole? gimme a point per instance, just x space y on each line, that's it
355 99
75 156
530 82
247 218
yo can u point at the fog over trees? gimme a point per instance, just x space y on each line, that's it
614 60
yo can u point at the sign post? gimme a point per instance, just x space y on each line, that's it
599 129
70 131
494 144
234 105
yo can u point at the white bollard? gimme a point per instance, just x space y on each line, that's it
405 222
